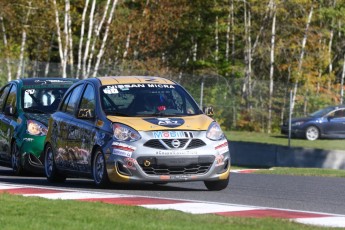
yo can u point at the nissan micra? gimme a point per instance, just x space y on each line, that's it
25 107
134 129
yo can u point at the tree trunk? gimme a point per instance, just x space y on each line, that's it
342 83
59 38
96 37
81 38
216 41
101 51
127 42
8 64
299 70
88 40
246 89
262 27
228 29
271 69
20 71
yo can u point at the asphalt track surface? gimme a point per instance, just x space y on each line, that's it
314 194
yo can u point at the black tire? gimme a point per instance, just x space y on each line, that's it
50 169
99 170
217 185
16 160
312 133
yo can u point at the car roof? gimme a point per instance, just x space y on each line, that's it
111 80
44 81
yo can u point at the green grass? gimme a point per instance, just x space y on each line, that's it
278 139
17 212
303 172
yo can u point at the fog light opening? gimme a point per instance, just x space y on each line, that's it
123 170
225 167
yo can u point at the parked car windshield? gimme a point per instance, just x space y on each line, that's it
147 100
41 100
322 112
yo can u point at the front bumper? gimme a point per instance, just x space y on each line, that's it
31 150
295 132
140 163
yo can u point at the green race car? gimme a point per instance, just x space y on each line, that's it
25 107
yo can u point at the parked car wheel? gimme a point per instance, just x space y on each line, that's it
312 133
217 185
50 168
16 160
99 171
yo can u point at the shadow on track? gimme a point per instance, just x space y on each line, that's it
7 176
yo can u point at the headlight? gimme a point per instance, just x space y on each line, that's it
36 128
125 133
298 123
214 132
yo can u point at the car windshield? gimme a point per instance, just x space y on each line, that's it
322 112
41 100
147 100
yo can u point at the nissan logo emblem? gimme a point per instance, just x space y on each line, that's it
175 143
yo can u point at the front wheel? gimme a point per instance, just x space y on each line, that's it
16 160
217 185
99 171
50 169
312 133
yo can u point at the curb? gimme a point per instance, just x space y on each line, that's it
187 206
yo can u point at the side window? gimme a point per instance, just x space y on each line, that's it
339 113
88 99
88 103
72 102
65 102
3 96
12 97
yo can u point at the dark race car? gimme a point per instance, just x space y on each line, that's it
25 106
325 123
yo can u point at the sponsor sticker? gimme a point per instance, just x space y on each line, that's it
169 153
28 139
219 160
222 148
172 134
110 90
122 146
129 163
122 153
30 91
166 122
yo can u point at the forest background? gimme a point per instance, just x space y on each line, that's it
243 57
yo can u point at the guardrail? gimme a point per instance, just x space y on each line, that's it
266 155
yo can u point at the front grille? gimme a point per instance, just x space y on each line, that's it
191 169
195 143
168 166
182 143
166 143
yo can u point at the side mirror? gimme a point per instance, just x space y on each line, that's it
10 110
208 111
86 114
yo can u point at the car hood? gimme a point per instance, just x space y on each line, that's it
197 123
43 118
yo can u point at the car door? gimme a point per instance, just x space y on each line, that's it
64 134
8 122
3 128
83 130
335 126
